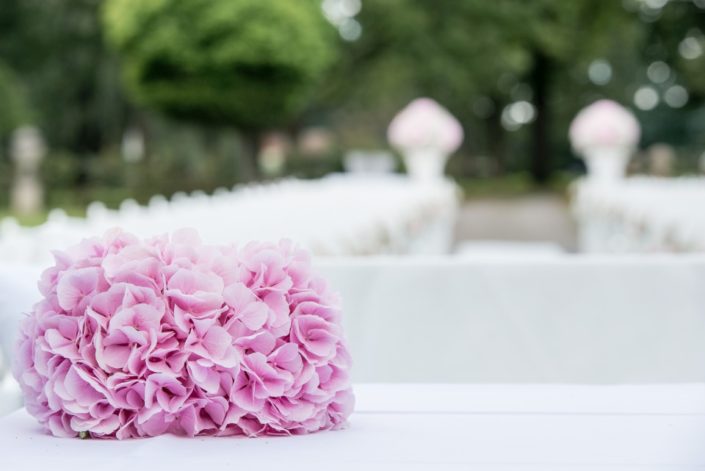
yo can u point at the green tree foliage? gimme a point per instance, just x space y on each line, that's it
57 50
247 63
15 110
556 35
252 64
678 27
374 76
674 35
476 56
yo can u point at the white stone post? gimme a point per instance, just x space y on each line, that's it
605 134
27 150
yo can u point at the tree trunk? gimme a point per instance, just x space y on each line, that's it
495 135
249 164
540 146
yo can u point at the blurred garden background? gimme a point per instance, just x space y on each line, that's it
141 97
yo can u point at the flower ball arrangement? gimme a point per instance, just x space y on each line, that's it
140 338
604 124
425 124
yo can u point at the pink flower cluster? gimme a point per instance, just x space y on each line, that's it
139 338
605 123
425 124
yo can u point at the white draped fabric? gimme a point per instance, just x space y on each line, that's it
336 215
18 292
424 427
575 319
565 319
641 214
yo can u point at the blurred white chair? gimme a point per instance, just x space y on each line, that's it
641 214
18 292
369 162
336 215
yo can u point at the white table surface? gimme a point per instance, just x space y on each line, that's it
408 426
572 319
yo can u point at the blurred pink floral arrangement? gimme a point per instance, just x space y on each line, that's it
604 123
139 338
424 123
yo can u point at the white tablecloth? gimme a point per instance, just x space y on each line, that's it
566 319
412 427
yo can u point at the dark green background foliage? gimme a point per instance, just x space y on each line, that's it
203 79
249 63
15 109
56 47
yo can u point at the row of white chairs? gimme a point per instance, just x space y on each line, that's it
336 215
641 215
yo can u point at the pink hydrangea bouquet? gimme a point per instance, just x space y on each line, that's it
139 338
